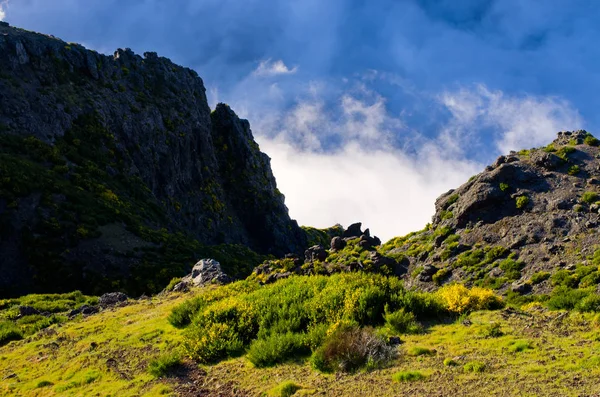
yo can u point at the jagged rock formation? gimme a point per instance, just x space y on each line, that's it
112 166
526 217
356 251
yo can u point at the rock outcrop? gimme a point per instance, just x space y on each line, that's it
109 162
525 217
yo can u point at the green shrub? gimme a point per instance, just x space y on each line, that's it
539 277
589 197
285 389
450 362
474 366
44 383
591 140
512 268
565 151
574 170
9 331
492 330
408 376
564 298
451 200
350 348
402 322
441 275
163 365
496 252
519 346
590 303
522 201
420 351
227 319
174 281
276 349
504 186
181 315
564 278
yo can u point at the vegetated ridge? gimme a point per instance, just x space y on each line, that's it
115 174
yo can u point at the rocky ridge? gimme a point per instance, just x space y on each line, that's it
114 168
526 217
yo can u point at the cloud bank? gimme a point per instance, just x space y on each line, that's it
367 177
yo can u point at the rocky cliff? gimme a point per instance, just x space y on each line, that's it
114 173
526 224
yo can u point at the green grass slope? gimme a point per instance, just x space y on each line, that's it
279 344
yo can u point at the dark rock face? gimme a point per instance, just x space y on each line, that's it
353 230
111 299
337 243
315 253
112 156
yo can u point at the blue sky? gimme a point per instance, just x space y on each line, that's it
369 109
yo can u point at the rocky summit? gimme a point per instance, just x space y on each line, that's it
525 217
115 174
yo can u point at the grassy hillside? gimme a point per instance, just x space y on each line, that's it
135 350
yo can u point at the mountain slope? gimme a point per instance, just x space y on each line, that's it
114 173
527 216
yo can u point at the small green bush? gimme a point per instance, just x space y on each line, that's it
408 376
589 197
492 330
451 200
174 281
591 140
564 278
512 268
161 366
420 351
504 186
181 315
439 276
574 170
9 331
402 322
522 201
590 303
285 389
564 298
565 151
474 366
450 362
44 383
539 277
276 349
519 346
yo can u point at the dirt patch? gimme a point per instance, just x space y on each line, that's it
193 381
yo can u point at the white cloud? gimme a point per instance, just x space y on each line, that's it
270 68
336 156
2 11
389 191
364 178
519 122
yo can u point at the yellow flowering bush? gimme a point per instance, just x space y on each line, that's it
460 299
